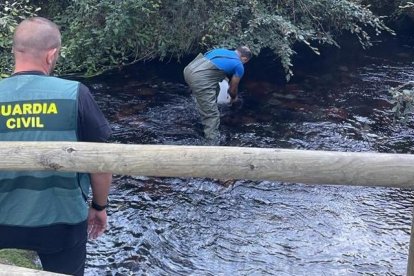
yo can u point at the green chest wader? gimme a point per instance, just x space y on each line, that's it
203 77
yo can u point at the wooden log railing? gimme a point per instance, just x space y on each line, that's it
9 270
296 166
293 166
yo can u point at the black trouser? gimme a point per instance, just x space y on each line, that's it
61 248
68 261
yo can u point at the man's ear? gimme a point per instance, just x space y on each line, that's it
51 55
244 59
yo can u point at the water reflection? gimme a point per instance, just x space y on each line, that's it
172 226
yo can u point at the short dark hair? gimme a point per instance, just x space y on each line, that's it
244 51
36 34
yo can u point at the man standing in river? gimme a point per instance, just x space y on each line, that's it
203 75
47 211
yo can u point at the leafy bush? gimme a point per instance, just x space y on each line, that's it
407 8
108 33
11 13
103 34
403 100
278 25
389 6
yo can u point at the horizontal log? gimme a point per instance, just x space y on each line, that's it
287 165
9 270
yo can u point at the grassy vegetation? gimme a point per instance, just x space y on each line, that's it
22 258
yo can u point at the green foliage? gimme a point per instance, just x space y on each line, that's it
51 8
11 13
407 8
407 5
99 35
393 9
104 34
278 25
403 100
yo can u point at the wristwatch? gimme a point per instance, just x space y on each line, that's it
98 207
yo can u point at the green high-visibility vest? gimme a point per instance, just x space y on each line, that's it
40 108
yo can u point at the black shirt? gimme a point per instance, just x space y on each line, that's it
92 124
89 115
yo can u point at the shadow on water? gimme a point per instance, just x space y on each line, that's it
172 226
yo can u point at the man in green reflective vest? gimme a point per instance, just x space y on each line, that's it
203 75
47 211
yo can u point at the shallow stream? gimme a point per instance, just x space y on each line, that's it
172 226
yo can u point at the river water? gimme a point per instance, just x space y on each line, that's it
172 226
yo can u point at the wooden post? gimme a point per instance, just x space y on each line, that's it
295 166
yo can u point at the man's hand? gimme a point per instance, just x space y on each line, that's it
232 91
233 100
233 97
97 221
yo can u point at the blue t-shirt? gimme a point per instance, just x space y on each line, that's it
226 60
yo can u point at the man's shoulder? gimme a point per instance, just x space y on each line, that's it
41 81
223 51
48 80
62 79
